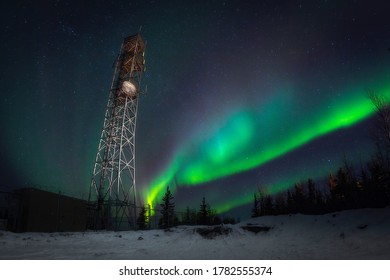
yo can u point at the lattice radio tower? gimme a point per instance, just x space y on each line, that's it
112 194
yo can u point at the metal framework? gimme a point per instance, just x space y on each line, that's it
112 194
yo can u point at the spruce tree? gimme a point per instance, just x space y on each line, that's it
290 203
379 184
320 203
256 207
262 201
141 220
311 196
300 198
187 217
280 204
167 210
268 205
204 213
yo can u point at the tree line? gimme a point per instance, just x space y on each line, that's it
168 217
344 190
347 188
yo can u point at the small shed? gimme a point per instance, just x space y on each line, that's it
44 211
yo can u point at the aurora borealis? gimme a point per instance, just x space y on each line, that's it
239 94
230 149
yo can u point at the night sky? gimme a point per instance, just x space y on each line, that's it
240 93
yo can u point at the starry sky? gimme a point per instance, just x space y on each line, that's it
240 93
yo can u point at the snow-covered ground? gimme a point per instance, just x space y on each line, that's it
354 234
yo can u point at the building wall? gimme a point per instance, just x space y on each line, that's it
44 211
10 211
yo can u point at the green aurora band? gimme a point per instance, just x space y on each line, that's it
250 138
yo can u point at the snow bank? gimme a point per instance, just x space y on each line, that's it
353 234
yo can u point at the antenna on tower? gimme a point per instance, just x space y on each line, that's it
112 193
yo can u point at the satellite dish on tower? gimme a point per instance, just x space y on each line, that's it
129 89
